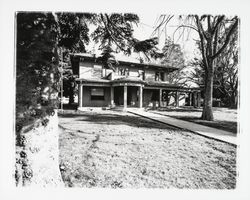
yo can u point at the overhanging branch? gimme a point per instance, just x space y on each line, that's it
228 37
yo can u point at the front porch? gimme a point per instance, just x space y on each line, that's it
135 94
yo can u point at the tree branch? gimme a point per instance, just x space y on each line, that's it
228 37
110 34
203 51
219 20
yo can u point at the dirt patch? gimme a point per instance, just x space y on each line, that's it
119 150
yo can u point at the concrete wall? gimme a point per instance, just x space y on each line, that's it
86 98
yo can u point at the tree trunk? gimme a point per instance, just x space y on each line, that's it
233 101
71 92
37 155
71 96
207 113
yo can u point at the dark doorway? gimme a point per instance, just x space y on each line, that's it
118 95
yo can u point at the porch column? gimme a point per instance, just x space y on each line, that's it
199 100
125 97
190 99
177 99
160 98
167 97
140 96
112 96
80 95
195 99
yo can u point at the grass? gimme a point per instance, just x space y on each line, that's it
111 149
224 118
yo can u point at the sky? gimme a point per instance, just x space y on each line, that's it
148 24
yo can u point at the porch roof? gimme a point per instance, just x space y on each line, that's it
136 81
128 80
92 80
162 84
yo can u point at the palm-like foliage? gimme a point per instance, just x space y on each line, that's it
115 30
114 33
74 30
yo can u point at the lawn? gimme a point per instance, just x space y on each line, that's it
224 118
111 149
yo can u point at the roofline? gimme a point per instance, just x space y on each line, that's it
92 57
147 84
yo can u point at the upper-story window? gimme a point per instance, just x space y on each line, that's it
141 73
159 76
123 71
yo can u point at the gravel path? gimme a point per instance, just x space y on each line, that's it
120 150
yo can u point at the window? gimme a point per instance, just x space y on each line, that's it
162 76
97 94
141 74
123 72
159 76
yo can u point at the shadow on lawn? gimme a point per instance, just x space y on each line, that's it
186 114
222 125
180 109
115 119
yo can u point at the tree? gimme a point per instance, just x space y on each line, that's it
37 74
173 56
69 85
73 38
225 83
215 33
226 73
37 78
114 33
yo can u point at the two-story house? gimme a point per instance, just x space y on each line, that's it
128 84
